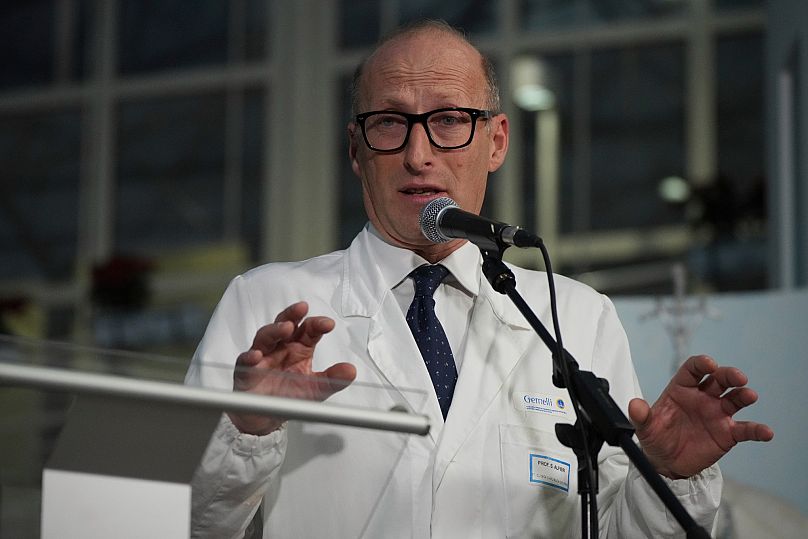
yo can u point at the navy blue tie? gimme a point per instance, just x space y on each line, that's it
429 334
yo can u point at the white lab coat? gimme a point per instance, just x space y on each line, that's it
494 469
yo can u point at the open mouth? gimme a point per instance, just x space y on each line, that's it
421 192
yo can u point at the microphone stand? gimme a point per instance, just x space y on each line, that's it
599 419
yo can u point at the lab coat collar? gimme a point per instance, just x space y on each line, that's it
383 266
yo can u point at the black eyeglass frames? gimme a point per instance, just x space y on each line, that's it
447 128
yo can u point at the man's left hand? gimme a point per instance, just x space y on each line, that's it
691 426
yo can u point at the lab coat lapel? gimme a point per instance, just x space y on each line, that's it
364 293
393 350
497 339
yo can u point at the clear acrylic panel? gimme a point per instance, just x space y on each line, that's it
41 381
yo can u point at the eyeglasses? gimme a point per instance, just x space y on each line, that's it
447 128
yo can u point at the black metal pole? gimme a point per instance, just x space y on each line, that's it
601 416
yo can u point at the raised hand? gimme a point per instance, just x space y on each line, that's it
691 425
279 363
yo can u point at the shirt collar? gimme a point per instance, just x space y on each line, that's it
395 263
372 268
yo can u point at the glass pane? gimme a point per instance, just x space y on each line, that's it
736 4
171 34
253 170
637 135
26 43
733 206
85 19
352 216
472 16
740 113
542 14
573 187
359 23
39 157
255 39
170 170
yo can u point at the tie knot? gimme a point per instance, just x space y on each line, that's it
427 279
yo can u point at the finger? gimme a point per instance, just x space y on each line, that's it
250 358
692 371
311 330
344 372
340 375
722 379
303 340
639 412
336 378
268 336
738 398
243 374
743 431
293 313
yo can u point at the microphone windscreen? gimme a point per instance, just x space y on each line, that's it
430 214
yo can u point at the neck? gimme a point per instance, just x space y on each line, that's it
431 252
438 251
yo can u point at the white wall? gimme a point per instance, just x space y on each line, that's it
765 335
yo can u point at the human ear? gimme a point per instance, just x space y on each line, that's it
499 141
353 148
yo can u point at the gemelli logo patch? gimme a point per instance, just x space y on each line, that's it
542 404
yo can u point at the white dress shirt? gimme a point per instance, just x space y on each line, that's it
454 298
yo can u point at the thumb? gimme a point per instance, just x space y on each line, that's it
337 378
639 412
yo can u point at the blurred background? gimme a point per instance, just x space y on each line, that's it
151 150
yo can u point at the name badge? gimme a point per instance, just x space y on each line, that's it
549 471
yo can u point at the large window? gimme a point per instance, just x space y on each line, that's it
129 129
152 128
171 160
637 132
39 157
554 14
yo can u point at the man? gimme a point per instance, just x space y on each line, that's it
429 125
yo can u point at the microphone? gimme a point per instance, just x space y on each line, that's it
442 220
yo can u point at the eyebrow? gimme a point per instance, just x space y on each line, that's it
397 105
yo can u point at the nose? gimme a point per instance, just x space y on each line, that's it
418 153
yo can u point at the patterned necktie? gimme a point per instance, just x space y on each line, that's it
429 334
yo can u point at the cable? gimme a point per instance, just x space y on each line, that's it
564 368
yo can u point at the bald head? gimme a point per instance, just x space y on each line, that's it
428 29
425 71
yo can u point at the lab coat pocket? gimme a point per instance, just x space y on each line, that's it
539 482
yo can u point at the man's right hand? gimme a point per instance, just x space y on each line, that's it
286 347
